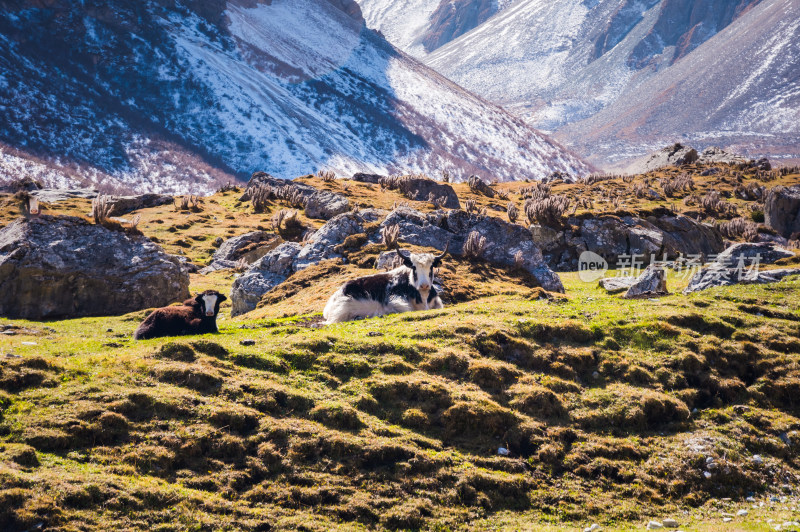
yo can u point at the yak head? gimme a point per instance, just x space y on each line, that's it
421 266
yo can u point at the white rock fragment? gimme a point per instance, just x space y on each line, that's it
654 525
670 523
741 513
756 459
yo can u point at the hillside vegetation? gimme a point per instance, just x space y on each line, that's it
613 411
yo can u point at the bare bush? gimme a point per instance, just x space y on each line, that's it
483 212
714 205
739 227
591 179
475 245
400 204
134 223
327 176
537 191
259 197
436 202
628 178
548 211
513 212
189 202
446 176
681 184
101 209
389 235
470 206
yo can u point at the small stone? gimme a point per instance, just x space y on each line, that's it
594 528
374 333
756 459
727 515
670 523
29 343
750 499
741 513
595 375
502 451
247 342
706 474
654 525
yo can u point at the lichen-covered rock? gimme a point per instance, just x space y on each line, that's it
367 178
320 245
652 282
54 195
782 210
262 276
763 252
65 267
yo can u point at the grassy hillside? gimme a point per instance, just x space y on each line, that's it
614 411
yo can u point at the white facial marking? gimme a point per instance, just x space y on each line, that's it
423 263
210 302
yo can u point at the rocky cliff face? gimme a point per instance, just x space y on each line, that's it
181 96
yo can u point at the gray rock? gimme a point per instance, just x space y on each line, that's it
324 205
320 246
782 210
262 276
54 195
738 264
764 252
121 205
717 155
615 285
65 267
387 260
652 282
674 155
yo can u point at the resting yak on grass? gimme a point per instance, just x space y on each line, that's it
196 316
407 288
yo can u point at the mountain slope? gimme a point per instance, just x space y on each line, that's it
741 88
560 62
178 97
421 26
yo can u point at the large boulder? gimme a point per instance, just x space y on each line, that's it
54 195
262 276
65 267
652 282
121 205
741 263
319 204
673 155
367 178
782 210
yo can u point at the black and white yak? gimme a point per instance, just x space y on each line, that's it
406 288
197 315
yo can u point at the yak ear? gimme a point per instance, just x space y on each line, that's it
221 298
406 258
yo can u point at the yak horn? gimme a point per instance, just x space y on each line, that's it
440 257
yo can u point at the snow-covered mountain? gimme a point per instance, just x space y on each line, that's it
421 26
560 62
179 96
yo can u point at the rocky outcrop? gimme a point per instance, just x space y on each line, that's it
742 263
675 155
652 282
277 265
248 247
782 210
65 267
319 204
367 178
503 240
121 205
619 238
